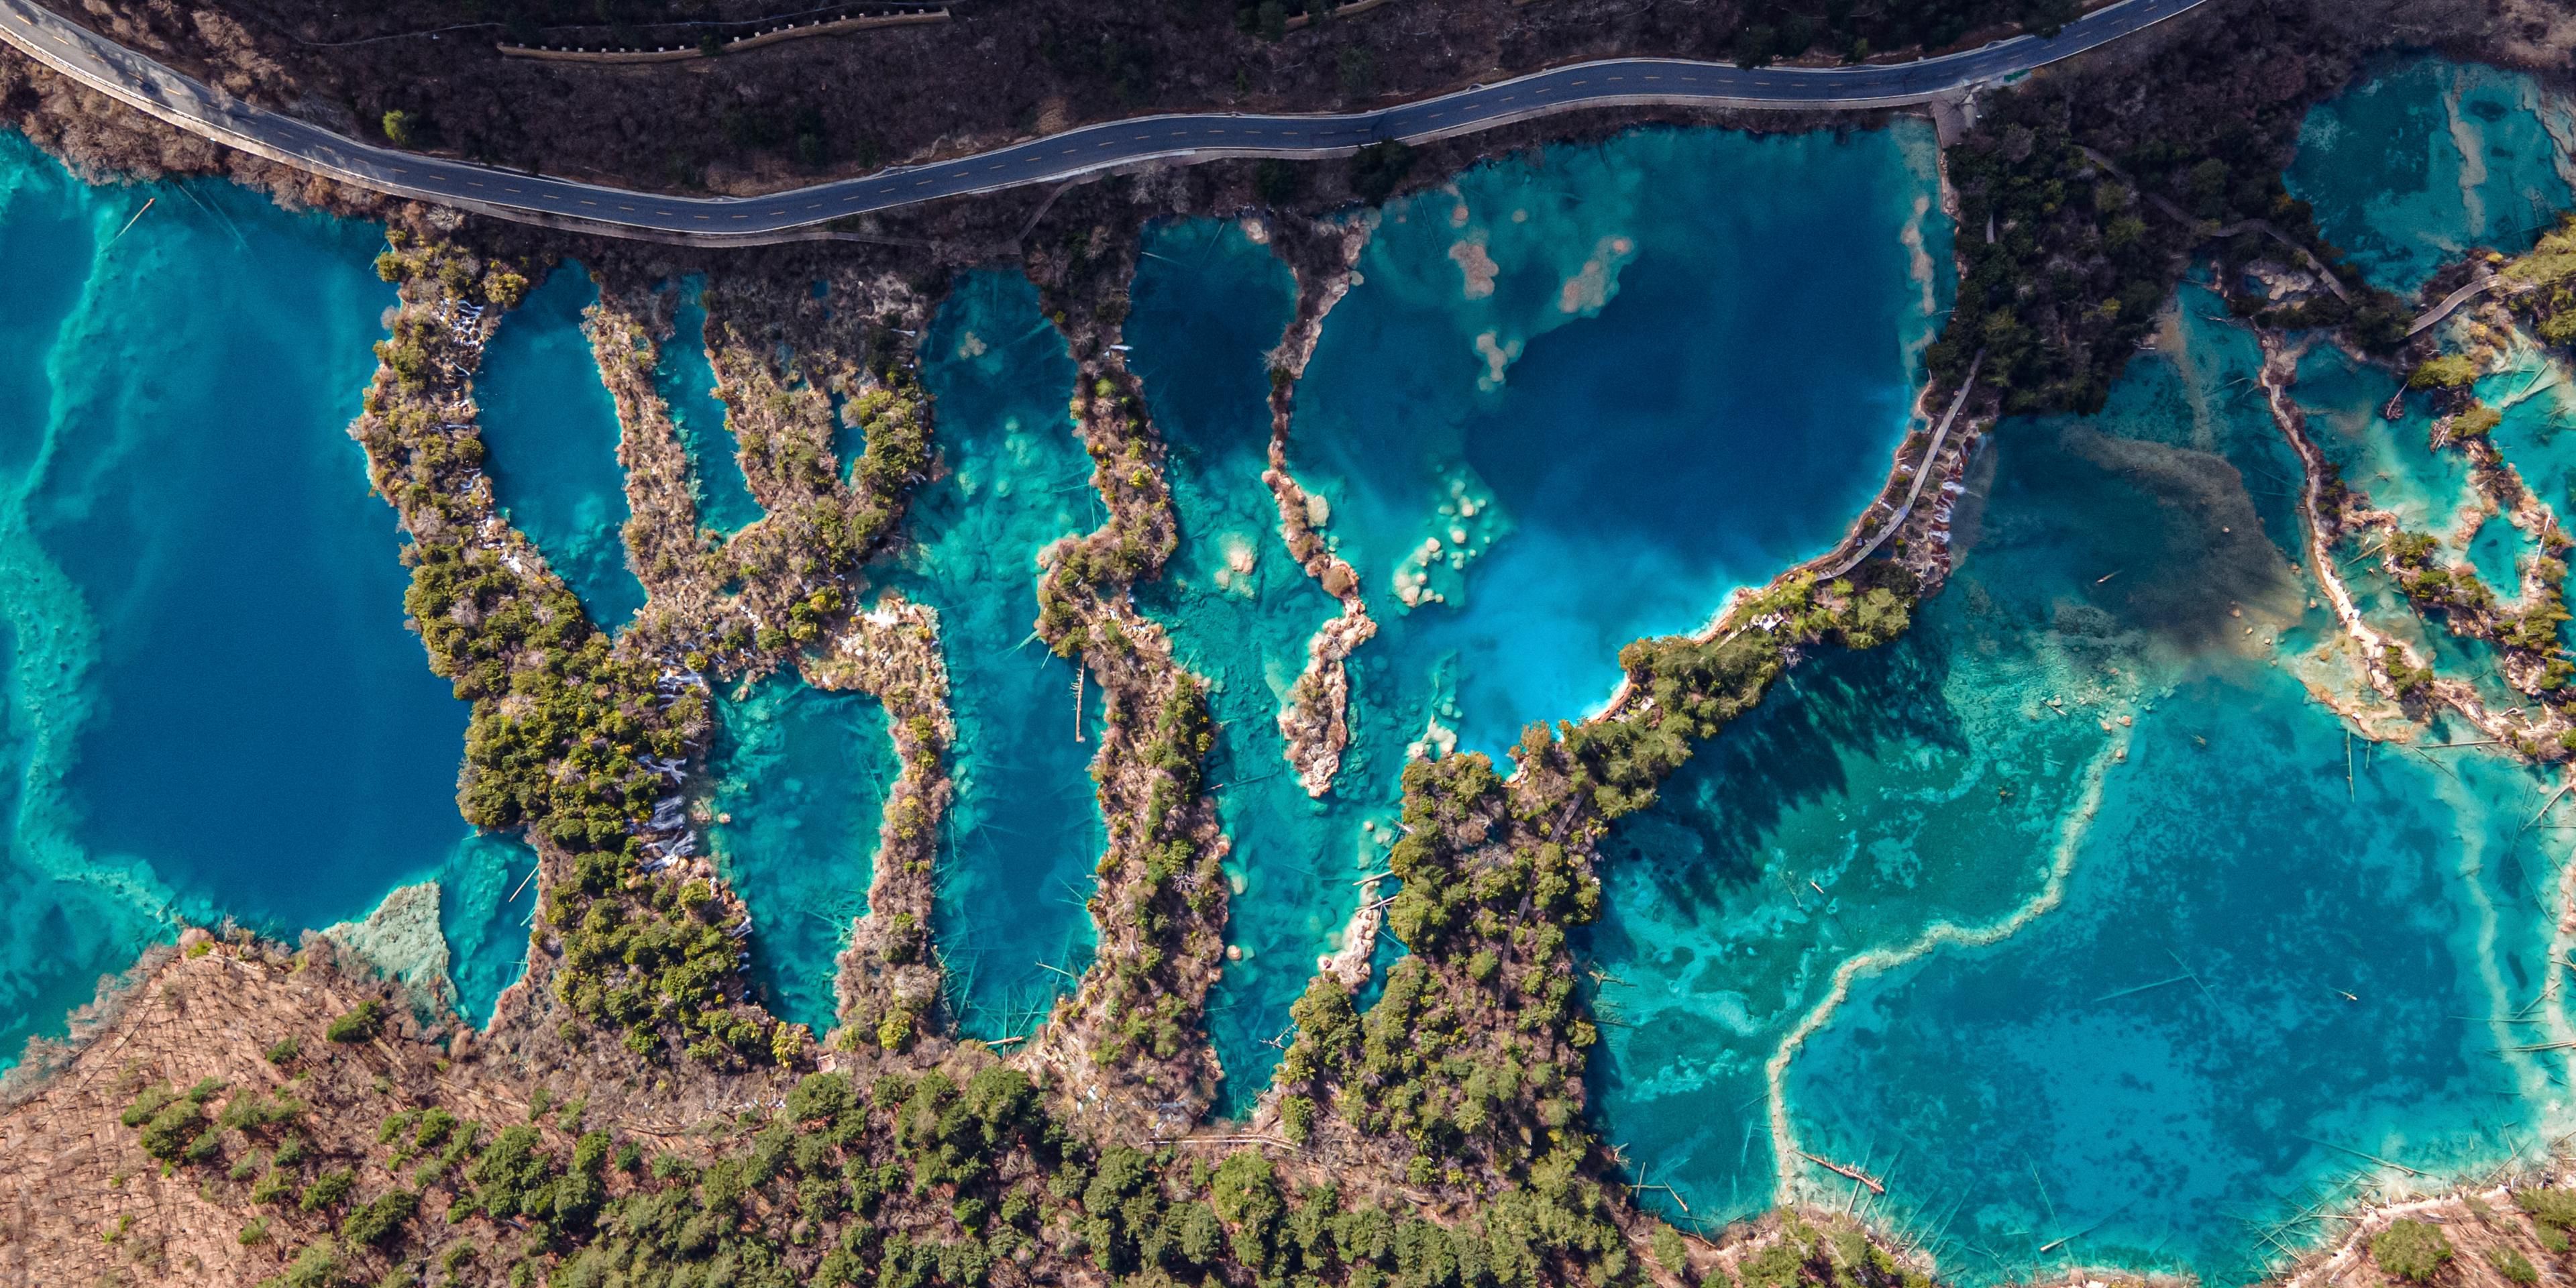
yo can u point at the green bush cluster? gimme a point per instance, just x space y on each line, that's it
2545 283
654 961
1180 885
2532 627
1695 687
2411 1250
2477 420
360 1024
2448 371
172 1125
459 272
796 1203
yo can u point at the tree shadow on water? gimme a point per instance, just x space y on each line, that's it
1707 833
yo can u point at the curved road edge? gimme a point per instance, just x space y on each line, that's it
141 83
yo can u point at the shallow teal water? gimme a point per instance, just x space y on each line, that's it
485 901
550 443
1241 611
2539 405
214 707
2395 465
1024 830
2392 461
2419 163
2073 1086
1881 792
2058 1086
687 383
802 776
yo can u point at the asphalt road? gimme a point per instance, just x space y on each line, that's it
140 82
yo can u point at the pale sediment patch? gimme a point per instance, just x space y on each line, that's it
1241 556
1918 257
1592 285
1499 355
1945 934
402 941
1348 965
1437 740
1474 263
971 346
1314 722
2472 144
2280 367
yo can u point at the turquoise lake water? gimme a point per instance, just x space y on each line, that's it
550 444
213 705
2141 967
1024 830
2167 1046
2427 159
486 900
1514 348
1240 611
1639 295
687 383
803 775
2184 986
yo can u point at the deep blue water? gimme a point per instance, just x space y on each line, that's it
214 708
1605 399
550 444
